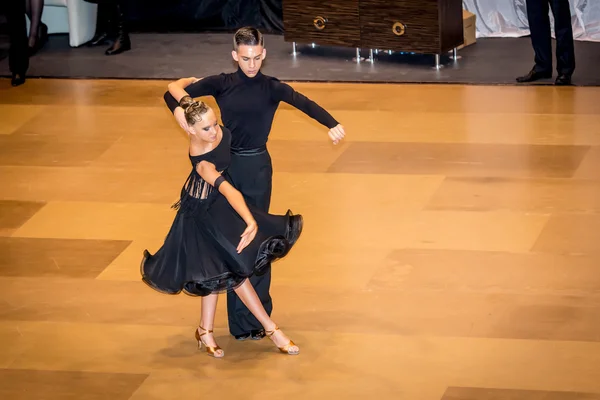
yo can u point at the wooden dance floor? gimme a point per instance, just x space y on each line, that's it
451 248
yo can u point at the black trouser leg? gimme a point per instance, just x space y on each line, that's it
251 175
565 48
539 25
18 54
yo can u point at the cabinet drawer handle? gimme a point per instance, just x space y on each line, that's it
319 22
399 29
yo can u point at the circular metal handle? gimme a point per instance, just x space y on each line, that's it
319 22
399 28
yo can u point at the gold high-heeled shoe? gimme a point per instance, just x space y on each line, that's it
284 349
209 349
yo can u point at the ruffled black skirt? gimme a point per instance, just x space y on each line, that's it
199 254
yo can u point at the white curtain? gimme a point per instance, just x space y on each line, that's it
508 18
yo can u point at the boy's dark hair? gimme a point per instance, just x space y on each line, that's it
247 36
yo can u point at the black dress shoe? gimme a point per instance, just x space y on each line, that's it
17 79
563 80
243 336
533 75
257 334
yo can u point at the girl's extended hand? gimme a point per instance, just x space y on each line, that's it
247 236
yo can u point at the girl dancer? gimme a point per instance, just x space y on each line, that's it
216 241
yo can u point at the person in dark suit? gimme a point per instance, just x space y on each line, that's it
18 54
539 25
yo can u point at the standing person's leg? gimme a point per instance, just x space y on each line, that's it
38 31
18 54
119 27
103 16
541 40
253 177
565 47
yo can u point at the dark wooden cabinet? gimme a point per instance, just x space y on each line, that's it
333 23
420 26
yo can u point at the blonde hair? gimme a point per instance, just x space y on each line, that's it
193 110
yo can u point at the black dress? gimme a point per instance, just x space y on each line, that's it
199 255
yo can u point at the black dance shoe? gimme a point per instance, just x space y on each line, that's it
257 334
243 336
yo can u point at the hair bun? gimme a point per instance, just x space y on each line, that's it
193 110
186 102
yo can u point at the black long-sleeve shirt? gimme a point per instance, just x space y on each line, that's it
248 105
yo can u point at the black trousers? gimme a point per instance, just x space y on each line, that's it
252 175
18 54
539 24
